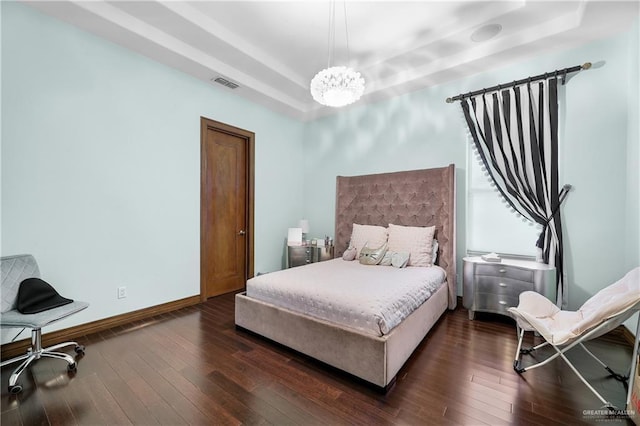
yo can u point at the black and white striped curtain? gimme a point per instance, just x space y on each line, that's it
515 132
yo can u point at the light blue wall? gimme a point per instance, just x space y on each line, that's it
599 153
100 161
632 247
414 131
633 150
594 155
101 166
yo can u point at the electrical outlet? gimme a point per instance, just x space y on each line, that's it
122 292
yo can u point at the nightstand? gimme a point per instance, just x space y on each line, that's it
302 255
496 286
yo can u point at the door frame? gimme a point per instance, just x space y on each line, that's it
249 138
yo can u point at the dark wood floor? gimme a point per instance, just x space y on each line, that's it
193 367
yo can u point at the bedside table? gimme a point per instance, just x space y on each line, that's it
302 255
496 286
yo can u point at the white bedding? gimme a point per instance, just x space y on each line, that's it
372 299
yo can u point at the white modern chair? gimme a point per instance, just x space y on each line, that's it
564 330
15 269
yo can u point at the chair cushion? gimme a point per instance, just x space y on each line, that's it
562 327
13 318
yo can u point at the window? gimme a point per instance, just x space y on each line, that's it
491 225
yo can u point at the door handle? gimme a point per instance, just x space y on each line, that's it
241 232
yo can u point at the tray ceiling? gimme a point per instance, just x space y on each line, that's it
272 50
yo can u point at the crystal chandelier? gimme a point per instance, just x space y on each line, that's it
337 86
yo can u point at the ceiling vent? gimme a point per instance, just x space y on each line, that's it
225 82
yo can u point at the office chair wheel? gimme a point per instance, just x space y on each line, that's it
72 367
16 389
79 349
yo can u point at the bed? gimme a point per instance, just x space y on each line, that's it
418 198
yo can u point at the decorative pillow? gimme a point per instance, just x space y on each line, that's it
36 295
349 254
386 260
400 260
393 258
361 235
434 253
415 240
370 256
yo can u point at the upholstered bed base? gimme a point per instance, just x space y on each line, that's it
372 358
411 198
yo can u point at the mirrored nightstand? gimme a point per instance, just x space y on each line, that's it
495 287
302 255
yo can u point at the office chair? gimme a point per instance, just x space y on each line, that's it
15 269
564 330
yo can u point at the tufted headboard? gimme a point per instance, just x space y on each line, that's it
411 198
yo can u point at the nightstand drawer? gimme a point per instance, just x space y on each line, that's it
500 270
501 286
494 303
299 256
320 254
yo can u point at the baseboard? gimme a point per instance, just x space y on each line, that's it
21 346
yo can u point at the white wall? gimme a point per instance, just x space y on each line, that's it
101 166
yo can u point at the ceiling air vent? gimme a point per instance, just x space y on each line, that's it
225 82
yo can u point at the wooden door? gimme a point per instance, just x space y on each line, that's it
226 208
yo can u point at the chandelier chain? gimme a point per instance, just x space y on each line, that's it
331 37
337 86
346 30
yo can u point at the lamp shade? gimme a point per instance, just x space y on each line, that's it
304 224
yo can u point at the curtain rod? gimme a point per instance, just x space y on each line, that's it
562 72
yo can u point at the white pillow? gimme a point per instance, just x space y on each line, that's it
416 240
371 235
434 257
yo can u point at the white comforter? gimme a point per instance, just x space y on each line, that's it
372 299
